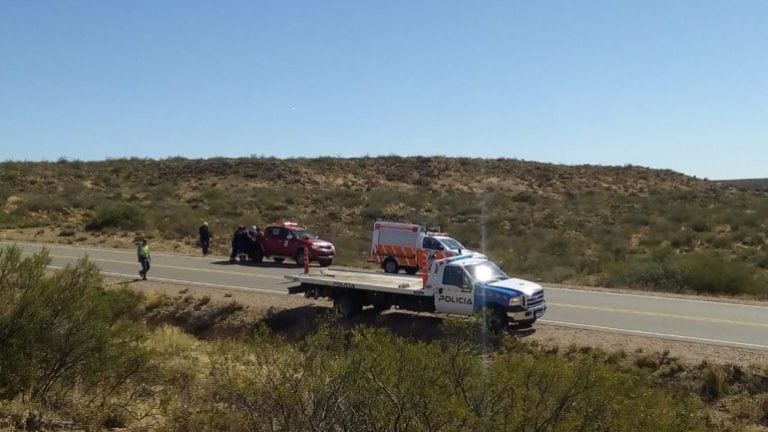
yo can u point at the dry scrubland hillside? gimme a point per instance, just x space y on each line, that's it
627 226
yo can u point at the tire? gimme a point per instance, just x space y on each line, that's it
390 265
325 262
346 306
278 260
496 319
299 257
411 270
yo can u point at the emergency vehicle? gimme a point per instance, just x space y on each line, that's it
397 246
460 285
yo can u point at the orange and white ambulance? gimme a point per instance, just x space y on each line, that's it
406 246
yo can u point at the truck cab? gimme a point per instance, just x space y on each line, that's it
468 284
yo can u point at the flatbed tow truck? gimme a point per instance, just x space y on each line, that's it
462 285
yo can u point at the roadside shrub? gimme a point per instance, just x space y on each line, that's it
176 222
123 216
366 379
41 203
709 273
714 273
63 330
645 273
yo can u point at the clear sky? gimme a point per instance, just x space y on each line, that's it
667 84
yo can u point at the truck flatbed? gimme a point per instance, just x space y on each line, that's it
377 282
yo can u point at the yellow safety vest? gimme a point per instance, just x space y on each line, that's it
144 251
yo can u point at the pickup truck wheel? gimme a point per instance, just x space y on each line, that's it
325 262
299 257
391 266
346 306
496 319
278 259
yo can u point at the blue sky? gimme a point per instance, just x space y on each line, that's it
667 84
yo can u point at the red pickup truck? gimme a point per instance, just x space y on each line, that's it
289 240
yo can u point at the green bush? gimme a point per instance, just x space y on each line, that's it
63 330
41 203
714 273
122 216
367 379
700 272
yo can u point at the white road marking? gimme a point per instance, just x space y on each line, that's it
184 282
255 275
656 335
654 297
660 315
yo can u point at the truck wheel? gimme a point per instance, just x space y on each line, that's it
496 319
411 270
299 257
278 259
391 266
346 306
325 262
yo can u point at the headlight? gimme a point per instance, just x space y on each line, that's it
517 301
315 247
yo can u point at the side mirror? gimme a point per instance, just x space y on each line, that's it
466 285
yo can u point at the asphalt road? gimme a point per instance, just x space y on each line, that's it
705 321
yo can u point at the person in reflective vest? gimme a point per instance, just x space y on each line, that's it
143 254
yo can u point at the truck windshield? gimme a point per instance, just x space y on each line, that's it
301 234
450 243
486 272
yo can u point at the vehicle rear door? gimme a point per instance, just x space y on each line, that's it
272 241
454 293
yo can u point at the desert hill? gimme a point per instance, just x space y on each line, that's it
584 224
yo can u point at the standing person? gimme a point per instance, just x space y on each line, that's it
239 242
205 237
143 254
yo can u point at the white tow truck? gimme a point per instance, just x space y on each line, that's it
462 285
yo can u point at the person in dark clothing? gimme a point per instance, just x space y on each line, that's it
239 242
205 237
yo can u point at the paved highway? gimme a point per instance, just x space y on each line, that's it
705 321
